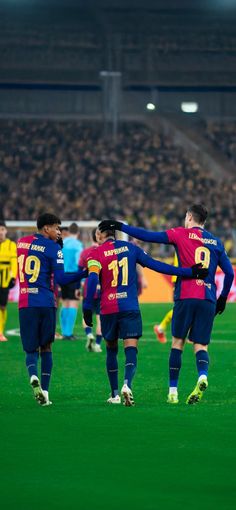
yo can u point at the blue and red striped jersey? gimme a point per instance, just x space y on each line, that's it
115 263
194 245
38 259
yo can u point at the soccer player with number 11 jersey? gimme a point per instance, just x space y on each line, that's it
114 264
195 300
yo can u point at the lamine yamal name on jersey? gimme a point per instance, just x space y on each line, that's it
35 247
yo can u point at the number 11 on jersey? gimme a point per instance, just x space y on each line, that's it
115 266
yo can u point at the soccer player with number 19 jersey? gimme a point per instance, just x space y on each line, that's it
41 266
195 300
114 263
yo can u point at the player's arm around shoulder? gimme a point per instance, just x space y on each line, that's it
196 272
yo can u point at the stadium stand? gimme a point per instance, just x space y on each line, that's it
223 136
71 168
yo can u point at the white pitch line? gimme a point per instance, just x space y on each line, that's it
13 332
16 332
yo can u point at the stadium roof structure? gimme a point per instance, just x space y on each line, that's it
128 4
152 43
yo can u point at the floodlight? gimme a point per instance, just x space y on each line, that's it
189 107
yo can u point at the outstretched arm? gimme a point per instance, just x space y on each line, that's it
145 235
63 278
195 271
138 233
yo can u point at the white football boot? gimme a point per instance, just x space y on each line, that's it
90 342
114 400
37 390
128 399
96 348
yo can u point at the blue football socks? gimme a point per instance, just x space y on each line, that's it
46 369
88 330
98 339
130 364
112 370
175 360
32 363
202 360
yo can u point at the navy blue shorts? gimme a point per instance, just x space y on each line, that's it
193 318
37 327
121 325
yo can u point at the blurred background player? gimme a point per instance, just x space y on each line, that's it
72 248
114 264
91 344
41 268
64 234
160 329
8 273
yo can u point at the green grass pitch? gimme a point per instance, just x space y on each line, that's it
81 454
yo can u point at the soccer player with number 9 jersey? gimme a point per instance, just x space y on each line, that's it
195 300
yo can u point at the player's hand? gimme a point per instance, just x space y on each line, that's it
12 283
199 272
220 305
109 225
88 317
60 242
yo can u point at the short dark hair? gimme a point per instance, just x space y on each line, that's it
73 228
110 232
64 229
199 212
47 219
2 223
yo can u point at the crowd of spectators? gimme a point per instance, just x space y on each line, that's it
223 137
71 169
